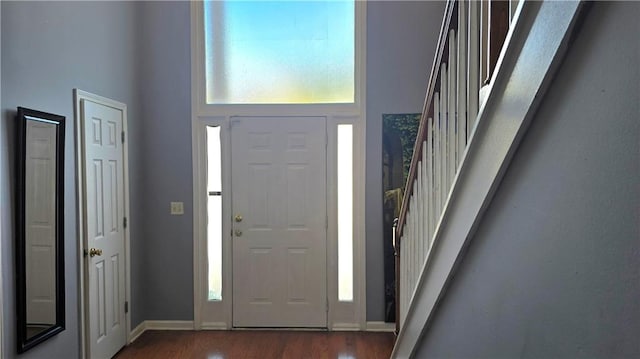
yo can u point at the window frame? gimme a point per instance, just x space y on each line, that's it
198 63
218 315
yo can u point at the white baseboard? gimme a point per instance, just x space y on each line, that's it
381 327
188 325
345 327
160 325
214 326
169 324
137 331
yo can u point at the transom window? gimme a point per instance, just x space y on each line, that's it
279 52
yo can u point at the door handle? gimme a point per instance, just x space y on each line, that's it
237 233
95 252
238 218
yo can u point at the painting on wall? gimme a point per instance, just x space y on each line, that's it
399 133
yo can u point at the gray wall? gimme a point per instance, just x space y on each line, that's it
167 167
47 50
553 270
401 43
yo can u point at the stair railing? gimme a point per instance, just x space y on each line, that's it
471 37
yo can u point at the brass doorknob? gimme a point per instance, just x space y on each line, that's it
238 218
237 233
95 252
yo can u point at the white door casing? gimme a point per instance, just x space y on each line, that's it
280 243
343 315
103 213
41 223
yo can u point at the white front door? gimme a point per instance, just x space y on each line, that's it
279 222
103 184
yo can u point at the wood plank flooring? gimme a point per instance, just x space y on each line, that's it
259 345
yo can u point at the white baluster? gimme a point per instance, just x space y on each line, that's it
462 82
443 136
437 158
473 75
416 220
409 249
430 185
403 273
410 259
419 215
484 42
405 269
424 199
451 112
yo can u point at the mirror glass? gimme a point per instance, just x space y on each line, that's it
40 210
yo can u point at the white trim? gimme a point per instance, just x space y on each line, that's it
4 174
159 325
215 326
360 157
345 327
381 327
168 324
201 306
217 313
534 49
137 332
293 110
79 95
353 313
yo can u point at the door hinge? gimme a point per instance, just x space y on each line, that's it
327 307
126 307
122 135
124 222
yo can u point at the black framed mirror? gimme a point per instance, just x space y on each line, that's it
39 227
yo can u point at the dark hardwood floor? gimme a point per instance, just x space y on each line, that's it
259 345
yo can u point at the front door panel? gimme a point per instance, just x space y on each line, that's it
279 225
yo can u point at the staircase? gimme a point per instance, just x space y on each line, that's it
494 61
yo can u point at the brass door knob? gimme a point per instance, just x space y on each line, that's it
237 233
95 252
238 218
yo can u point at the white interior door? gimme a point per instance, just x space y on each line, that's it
41 223
280 218
104 230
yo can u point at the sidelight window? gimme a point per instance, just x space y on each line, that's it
214 213
345 212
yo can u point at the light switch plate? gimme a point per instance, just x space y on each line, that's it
177 208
